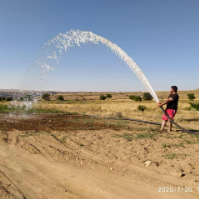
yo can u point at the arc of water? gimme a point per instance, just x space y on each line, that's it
63 42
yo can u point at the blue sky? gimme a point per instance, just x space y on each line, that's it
161 36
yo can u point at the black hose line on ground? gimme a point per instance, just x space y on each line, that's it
113 118
183 129
155 123
128 119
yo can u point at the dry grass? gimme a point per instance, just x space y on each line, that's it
128 109
120 105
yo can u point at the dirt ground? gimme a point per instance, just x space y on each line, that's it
72 157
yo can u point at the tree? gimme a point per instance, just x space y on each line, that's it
137 98
102 97
2 98
9 98
46 97
60 97
147 96
131 97
191 96
109 95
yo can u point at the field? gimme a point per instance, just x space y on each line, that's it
51 154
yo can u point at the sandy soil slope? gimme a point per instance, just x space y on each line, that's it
73 157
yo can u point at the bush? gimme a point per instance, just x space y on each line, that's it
102 97
1 98
137 98
9 98
147 96
109 95
191 96
46 97
119 114
131 97
141 108
194 106
60 97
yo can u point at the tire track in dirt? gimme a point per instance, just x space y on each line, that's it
87 164
8 189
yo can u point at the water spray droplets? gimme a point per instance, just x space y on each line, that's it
52 51
62 42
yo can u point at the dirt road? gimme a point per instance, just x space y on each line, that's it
82 159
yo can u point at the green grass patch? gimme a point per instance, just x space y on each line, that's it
5 108
170 156
136 136
22 110
126 136
165 145
146 135
63 139
174 155
181 144
191 141
154 130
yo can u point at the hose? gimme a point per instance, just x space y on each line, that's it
113 118
183 129
128 119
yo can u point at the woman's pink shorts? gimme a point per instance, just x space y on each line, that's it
171 114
